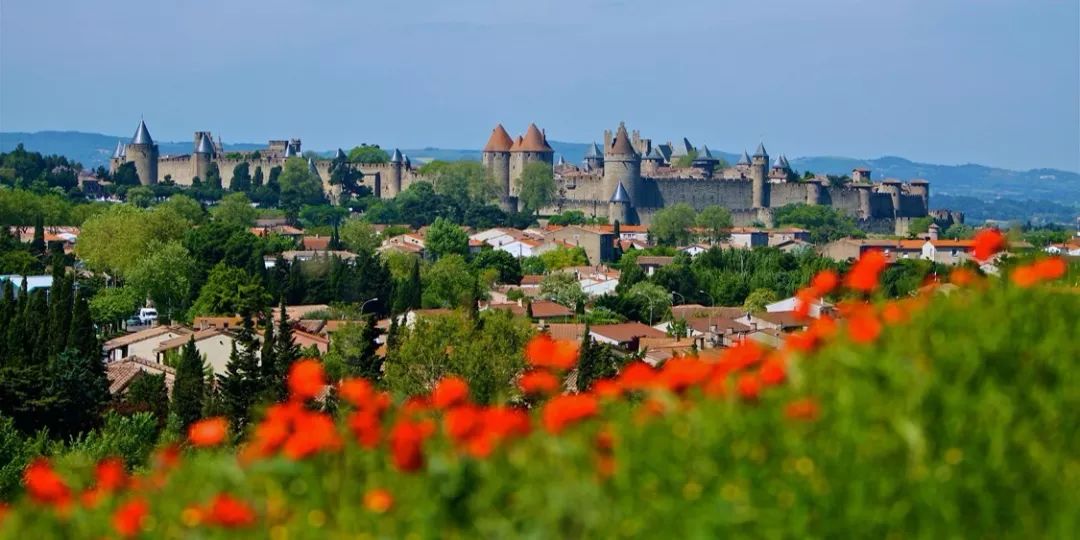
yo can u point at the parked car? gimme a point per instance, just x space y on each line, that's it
147 315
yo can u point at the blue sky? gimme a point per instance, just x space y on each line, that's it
946 81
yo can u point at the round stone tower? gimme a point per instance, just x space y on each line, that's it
864 190
531 148
892 188
921 188
144 154
619 206
496 159
393 184
622 165
813 192
759 177
204 155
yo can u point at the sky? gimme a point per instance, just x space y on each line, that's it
995 82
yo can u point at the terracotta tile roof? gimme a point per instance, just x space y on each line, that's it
722 324
620 145
298 311
690 311
786 319
500 140
654 260
566 331
534 141
541 309
121 372
180 341
141 335
531 279
626 332
316 243
202 323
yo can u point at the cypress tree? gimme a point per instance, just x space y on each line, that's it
81 335
36 328
285 350
147 393
189 388
393 335
77 393
37 245
367 363
60 306
7 311
267 361
242 382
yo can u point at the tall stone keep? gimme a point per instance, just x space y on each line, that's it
144 154
622 165
204 155
530 148
496 159
393 184
759 177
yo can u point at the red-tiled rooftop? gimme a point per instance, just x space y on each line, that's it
628 331
534 141
500 140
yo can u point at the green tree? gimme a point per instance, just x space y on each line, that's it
241 177
563 257
285 352
235 210
189 387
242 382
79 389
82 338
595 361
111 305
140 196
654 301
165 275
758 299
352 351
447 283
359 235
536 187
562 288
919 225
126 175
959 231
116 239
506 266
228 291
147 393
671 225
185 207
298 186
408 293
464 181
714 219
368 154
444 238
825 223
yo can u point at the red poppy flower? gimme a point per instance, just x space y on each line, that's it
357 391
450 391
987 243
463 422
864 274
804 300
230 512
962 277
44 485
748 386
803 409
1050 268
636 376
407 444
306 379
542 351
893 313
678 374
564 410
824 282
1024 276
365 426
208 432
864 327
312 432
743 355
378 500
504 422
773 371
801 341
606 388
538 382
110 474
128 518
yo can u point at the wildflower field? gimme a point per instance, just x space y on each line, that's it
936 416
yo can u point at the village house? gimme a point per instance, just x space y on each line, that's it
142 343
122 372
213 344
624 336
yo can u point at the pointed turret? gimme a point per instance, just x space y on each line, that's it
408 163
534 141
205 146
396 157
594 151
620 195
620 145
142 135
783 159
290 150
119 152
499 141
562 160
760 152
778 163
340 155
745 159
704 154
655 154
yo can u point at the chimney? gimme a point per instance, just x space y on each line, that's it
934 232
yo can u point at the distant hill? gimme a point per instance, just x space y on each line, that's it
1044 194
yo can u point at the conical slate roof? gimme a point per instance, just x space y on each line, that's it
408 164
290 150
655 154
745 159
562 160
621 144
783 159
340 155
681 148
778 163
760 152
499 141
704 154
396 157
142 135
620 195
534 141
205 147
594 151
119 152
